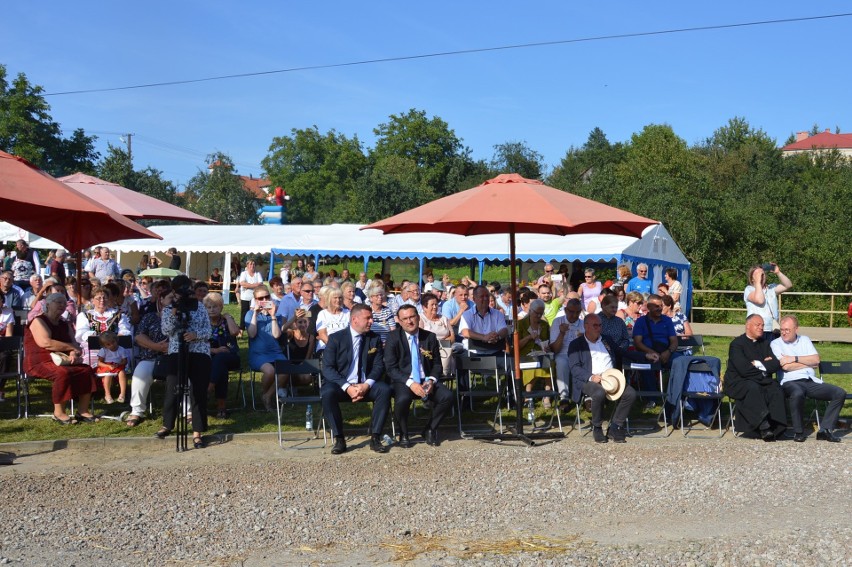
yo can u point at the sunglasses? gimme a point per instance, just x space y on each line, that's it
261 297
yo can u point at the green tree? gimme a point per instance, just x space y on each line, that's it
518 157
27 130
392 186
429 143
320 173
116 167
219 193
580 164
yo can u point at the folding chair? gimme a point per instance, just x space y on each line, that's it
290 395
532 363
693 342
844 367
686 394
487 366
14 345
634 368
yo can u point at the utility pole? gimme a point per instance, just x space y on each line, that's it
126 138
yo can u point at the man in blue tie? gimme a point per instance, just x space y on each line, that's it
413 361
353 364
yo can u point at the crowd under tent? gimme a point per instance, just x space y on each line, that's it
203 248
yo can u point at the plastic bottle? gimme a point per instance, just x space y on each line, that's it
531 411
387 440
309 418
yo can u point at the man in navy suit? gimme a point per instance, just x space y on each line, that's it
589 356
416 374
353 364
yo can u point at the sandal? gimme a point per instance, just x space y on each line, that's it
59 420
133 421
162 433
108 400
86 418
120 399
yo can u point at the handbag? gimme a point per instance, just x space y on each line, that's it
164 366
60 358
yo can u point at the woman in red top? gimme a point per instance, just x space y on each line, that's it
48 333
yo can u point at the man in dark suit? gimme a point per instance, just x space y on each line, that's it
353 364
418 379
589 356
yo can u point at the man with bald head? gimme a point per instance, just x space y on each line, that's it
760 410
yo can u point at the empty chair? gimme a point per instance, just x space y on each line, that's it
489 370
295 393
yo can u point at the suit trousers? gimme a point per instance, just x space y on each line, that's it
440 396
797 390
598 395
333 395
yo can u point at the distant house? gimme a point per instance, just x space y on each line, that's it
805 143
257 187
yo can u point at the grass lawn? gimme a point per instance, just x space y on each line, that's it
246 420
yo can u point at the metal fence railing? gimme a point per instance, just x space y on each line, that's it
813 309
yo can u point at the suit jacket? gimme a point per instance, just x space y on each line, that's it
580 361
398 355
338 357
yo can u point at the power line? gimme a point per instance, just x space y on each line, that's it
457 52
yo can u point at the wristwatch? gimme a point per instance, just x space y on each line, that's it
797 358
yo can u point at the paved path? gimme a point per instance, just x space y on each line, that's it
837 335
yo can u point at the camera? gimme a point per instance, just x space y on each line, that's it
768 267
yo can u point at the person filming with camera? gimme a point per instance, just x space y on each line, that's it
186 321
762 299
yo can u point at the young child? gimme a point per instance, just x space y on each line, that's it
111 362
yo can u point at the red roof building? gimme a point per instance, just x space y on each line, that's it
255 186
805 143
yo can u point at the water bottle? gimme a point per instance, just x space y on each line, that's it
427 387
309 418
387 440
531 411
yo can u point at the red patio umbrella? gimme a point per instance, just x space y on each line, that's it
509 204
132 204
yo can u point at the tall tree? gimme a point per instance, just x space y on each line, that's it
27 130
518 157
319 172
428 142
219 193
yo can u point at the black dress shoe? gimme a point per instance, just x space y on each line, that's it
339 446
376 445
799 437
826 435
431 437
617 433
767 435
404 441
598 434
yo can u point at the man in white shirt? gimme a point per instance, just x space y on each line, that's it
798 358
566 327
484 329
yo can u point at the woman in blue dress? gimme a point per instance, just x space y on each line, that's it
264 349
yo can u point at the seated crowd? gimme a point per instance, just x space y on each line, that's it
375 346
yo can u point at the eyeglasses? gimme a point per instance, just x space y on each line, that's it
308 291
787 330
548 271
261 297
589 277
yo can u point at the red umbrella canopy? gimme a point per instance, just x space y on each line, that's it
510 203
34 200
127 202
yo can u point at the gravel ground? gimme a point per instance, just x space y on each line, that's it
244 501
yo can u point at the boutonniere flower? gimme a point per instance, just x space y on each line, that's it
372 350
426 354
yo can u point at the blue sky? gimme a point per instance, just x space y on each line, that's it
782 77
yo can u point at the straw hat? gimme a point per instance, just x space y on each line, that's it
613 383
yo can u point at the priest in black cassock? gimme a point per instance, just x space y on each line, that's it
760 409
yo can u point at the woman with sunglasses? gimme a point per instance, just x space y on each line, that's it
635 300
264 350
590 291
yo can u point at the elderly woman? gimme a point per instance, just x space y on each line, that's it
152 343
195 333
334 318
534 335
590 291
433 321
47 334
100 318
383 319
224 352
264 350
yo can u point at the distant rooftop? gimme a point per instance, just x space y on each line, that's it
804 141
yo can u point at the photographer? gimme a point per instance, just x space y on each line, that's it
762 299
186 320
